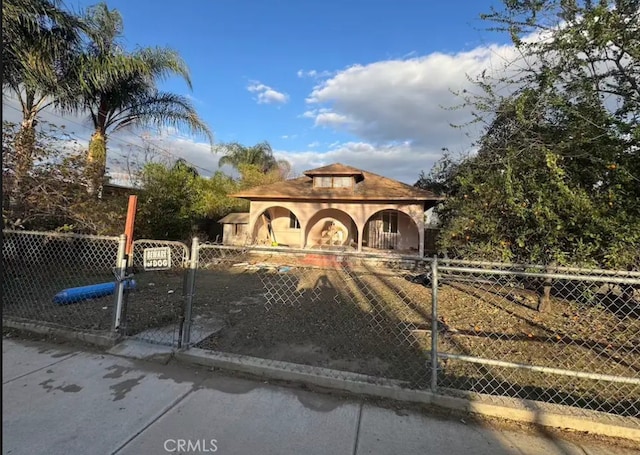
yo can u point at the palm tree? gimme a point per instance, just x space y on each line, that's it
259 155
119 89
37 39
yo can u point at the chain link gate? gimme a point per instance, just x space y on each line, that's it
154 311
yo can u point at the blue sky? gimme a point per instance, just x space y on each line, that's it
363 82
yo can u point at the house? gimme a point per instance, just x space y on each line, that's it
336 207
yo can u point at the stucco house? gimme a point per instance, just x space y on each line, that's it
334 206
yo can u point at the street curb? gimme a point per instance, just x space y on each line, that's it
96 339
376 387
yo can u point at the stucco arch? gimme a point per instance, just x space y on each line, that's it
318 229
280 226
417 216
405 232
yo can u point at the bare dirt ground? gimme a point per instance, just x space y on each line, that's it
376 319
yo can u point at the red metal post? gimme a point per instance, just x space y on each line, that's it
131 218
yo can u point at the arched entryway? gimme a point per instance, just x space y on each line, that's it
331 228
277 226
391 230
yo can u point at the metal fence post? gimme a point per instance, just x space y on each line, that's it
120 272
434 324
191 284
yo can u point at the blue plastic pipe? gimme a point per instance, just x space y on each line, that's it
93 291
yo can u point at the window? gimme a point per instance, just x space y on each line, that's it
333 182
322 182
389 222
342 182
293 221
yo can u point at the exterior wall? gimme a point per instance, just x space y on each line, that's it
229 237
409 234
360 212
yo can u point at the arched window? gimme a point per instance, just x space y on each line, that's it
294 223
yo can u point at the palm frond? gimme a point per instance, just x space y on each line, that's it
161 109
163 63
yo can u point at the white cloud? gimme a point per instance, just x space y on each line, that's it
400 161
405 99
400 110
313 145
313 74
266 94
331 119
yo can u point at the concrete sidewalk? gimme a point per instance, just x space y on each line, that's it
59 400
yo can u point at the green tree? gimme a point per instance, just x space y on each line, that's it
441 176
119 88
259 155
217 201
37 39
52 193
171 202
557 175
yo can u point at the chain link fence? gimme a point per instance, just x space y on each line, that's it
41 274
564 335
374 316
320 310
223 286
550 336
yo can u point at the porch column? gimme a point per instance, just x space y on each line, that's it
303 239
360 233
252 238
419 219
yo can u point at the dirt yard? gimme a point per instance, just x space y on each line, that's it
375 319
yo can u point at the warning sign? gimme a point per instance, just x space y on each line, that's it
157 258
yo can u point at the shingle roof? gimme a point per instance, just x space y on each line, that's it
333 169
369 187
235 218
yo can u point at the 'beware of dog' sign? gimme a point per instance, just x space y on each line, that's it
157 258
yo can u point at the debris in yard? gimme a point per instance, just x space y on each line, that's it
423 279
240 264
235 310
152 284
170 291
284 269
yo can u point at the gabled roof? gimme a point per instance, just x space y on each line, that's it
235 218
369 187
